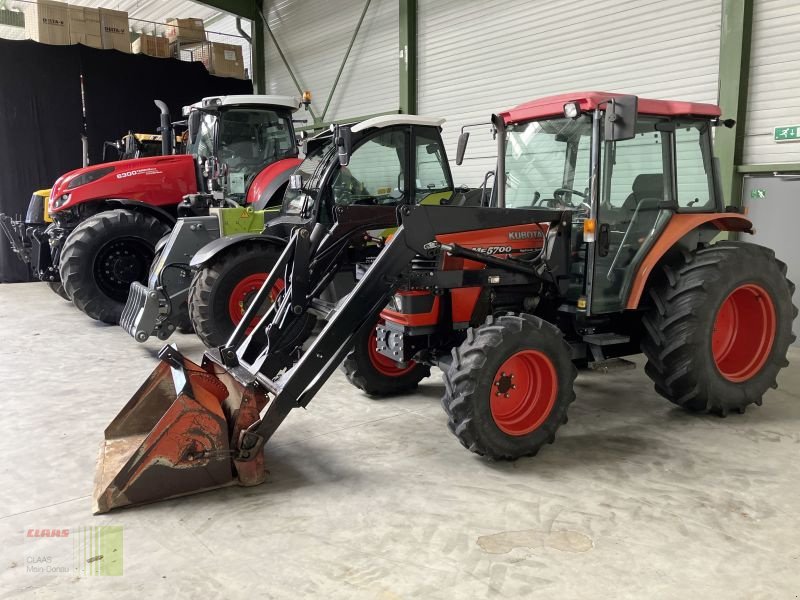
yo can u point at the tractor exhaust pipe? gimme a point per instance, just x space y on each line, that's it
500 179
167 135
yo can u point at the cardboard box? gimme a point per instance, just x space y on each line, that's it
224 60
114 29
47 21
84 26
151 45
185 30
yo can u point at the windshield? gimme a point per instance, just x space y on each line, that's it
249 139
547 163
310 172
203 144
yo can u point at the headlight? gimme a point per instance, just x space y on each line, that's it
571 110
89 177
61 201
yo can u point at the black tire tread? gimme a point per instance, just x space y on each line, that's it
74 260
467 368
668 328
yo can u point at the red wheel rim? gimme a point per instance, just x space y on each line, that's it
744 331
243 293
383 364
524 391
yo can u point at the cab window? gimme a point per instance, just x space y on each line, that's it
375 174
432 184
693 163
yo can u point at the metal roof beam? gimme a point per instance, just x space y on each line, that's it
734 70
243 8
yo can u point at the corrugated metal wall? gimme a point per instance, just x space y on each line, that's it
479 56
314 35
774 94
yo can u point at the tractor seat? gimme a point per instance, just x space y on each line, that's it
646 185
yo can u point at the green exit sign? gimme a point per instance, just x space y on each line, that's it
787 134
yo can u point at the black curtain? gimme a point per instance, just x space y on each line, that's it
40 128
119 90
41 119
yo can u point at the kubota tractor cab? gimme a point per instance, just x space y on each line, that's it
109 218
503 299
234 249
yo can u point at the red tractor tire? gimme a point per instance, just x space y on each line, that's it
376 375
720 327
509 386
214 312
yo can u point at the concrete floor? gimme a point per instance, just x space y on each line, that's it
375 499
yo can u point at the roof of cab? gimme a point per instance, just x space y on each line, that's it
289 102
551 106
398 119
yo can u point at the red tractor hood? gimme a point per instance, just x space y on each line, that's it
155 180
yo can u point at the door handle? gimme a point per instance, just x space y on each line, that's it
603 239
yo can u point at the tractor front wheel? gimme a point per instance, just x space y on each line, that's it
377 375
104 255
720 327
508 387
222 290
58 288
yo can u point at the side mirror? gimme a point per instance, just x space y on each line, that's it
344 143
295 182
462 146
193 124
620 119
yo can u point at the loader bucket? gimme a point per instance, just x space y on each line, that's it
173 437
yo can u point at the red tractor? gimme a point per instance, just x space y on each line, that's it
107 219
601 241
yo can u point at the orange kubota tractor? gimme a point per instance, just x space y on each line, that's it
600 242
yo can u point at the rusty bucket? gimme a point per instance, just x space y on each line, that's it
177 436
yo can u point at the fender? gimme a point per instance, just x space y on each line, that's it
677 228
213 249
269 181
158 213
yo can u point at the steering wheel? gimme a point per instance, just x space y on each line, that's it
564 191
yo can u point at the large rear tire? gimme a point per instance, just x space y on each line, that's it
222 290
377 375
58 288
720 327
509 386
104 255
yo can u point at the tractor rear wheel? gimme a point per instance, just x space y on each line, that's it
720 327
104 255
377 375
58 288
508 387
222 290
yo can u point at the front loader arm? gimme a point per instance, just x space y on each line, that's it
420 225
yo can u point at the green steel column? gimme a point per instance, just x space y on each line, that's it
734 70
408 56
259 53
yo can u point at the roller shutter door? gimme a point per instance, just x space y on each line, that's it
774 91
314 35
476 58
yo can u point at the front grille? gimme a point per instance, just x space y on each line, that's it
421 263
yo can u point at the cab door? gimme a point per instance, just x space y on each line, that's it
636 202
